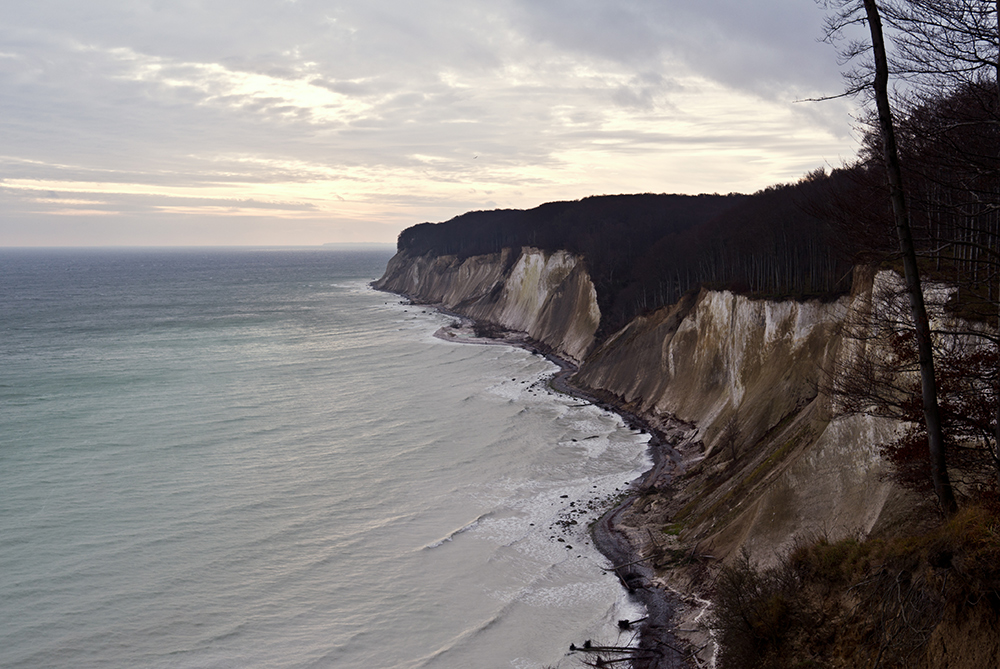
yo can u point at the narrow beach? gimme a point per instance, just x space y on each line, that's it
659 648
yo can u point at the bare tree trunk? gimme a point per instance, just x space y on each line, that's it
918 310
996 434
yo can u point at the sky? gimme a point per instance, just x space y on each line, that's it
300 122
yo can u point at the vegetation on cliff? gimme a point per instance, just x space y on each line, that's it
645 251
926 600
927 597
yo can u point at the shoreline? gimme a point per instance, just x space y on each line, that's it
657 632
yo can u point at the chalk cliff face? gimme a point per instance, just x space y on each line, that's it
768 461
777 464
548 296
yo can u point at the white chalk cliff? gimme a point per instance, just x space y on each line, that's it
767 459
549 296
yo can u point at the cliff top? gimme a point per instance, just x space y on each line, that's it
645 251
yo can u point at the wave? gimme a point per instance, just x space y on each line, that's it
455 533
532 595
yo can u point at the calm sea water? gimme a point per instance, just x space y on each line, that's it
249 458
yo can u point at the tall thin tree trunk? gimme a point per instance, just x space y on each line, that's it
918 310
996 396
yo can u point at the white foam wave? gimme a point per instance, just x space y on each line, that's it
464 528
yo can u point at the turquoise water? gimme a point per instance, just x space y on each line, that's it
249 458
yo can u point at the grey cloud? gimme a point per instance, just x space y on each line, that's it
756 46
116 91
752 44
644 91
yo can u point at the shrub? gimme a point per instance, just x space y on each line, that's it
752 613
854 602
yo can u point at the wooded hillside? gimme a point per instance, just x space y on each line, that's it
645 251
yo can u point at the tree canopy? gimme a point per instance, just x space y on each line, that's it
646 251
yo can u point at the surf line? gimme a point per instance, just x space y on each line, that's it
451 535
656 631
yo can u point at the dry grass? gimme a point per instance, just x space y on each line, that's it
860 603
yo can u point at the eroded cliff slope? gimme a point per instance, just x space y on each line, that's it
768 460
549 296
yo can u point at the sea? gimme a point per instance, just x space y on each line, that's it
248 457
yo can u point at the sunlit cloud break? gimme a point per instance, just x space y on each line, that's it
304 97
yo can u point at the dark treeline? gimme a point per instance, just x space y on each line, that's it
645 251
776 243
950 148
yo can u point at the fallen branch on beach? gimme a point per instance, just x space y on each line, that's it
627 624
631 652
627 652
601 662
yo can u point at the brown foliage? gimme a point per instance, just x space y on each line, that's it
879 378
877 603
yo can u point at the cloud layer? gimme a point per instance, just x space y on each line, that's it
302 122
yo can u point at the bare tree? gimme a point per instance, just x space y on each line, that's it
942 44
880 377
954 46
867 12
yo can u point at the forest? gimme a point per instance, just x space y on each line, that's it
645 251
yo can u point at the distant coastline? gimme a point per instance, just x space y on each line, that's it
359 246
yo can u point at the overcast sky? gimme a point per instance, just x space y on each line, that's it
179 122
